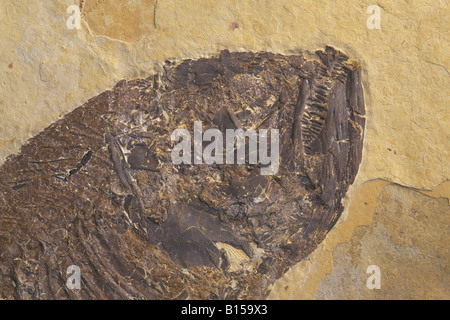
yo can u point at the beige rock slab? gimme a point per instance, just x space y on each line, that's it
47 70
401 230
121 20
408 239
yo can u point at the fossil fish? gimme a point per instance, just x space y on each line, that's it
98 189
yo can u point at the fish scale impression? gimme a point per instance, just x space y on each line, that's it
208 180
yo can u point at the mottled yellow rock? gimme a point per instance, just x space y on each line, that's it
408 239
386 222
121 20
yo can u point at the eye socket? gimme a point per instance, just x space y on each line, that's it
142 158
137 157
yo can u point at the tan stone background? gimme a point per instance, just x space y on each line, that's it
390 220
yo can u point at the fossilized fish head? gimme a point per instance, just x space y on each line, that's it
207 180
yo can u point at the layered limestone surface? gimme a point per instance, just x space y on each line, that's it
407 239
49 69
403 231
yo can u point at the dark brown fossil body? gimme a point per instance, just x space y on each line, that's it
98 189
